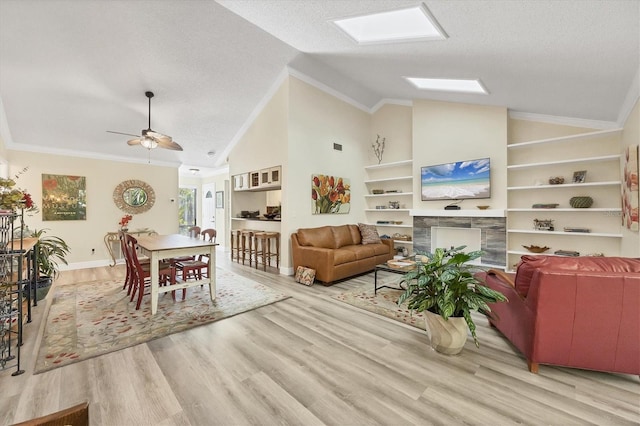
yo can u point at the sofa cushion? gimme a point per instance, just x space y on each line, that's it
529 264
369 234
342 255
317 237
356 237
341 236
362 251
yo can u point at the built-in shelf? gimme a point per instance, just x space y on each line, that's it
574 234
522 253
391 225
579 136
569 209
388 194
386 210
565 185
571 161
403 242
461 213
388 165
393 179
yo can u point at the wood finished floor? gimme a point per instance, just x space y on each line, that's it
312 360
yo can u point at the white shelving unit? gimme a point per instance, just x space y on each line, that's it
397 183
530 166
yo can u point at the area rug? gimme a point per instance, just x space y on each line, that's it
89 319
384 303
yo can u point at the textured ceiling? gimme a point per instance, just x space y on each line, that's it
71 70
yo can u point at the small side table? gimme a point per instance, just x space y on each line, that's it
112 237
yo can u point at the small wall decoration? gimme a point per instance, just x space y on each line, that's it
64 197
330 194
580 176
630 188
219 199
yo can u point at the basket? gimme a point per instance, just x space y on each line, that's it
580 202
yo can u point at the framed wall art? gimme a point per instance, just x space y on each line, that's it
64 197
330 194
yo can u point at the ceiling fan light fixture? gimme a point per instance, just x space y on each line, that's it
148 142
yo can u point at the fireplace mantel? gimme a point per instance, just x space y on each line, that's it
459 213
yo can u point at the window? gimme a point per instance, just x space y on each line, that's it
187 204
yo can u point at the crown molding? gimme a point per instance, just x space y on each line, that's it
329 90
282 77
566 121
86 154
388 101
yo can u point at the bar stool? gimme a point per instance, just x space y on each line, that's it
263 247
248 246
235 243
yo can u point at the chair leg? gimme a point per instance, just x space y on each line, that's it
533 366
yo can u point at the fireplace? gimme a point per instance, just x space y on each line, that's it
484 230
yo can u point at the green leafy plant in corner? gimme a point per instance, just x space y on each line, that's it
444 284
51 252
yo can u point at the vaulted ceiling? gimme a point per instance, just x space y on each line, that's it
71 70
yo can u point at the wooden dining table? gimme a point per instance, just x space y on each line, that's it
159 247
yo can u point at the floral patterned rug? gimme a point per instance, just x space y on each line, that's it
94 318
384 303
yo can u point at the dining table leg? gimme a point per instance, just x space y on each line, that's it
212 272
155 281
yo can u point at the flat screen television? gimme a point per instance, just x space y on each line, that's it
460 180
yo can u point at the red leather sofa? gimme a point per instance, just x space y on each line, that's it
581 312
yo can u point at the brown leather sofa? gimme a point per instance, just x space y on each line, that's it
337 252
581 312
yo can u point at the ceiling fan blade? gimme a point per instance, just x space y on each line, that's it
134 141
170 144
120 133
156 135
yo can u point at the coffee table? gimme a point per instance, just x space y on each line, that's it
387 268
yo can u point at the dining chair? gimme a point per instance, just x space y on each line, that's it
193 232
142 274
195 268
128 281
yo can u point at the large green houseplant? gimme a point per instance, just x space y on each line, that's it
51 251
443 283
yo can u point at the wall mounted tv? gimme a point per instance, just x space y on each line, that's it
460 180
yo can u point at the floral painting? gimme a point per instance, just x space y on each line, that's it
330 194
64 197
630 188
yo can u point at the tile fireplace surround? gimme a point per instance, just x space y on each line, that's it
492 225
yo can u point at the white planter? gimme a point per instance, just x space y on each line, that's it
446 336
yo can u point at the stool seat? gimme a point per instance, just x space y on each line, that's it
248 245
263 248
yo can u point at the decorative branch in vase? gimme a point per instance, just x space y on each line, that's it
378 147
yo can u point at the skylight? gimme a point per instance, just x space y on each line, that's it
448 85
396 25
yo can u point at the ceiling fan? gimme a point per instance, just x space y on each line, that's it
151 139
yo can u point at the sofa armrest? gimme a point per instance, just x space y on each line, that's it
318 258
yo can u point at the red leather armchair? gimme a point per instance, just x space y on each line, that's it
581 312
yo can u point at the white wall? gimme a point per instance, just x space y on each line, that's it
317 120
444 132
394 123
102 177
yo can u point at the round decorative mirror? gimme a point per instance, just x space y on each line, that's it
134 196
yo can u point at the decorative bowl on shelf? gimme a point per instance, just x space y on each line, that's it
545 206
482 207
536 249
270 215
580 202
558 180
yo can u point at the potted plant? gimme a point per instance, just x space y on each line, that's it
444 288
50 252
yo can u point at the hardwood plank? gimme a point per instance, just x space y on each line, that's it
311 360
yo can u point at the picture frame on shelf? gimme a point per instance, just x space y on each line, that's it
580 176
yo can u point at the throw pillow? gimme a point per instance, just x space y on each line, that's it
369 234
305 276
